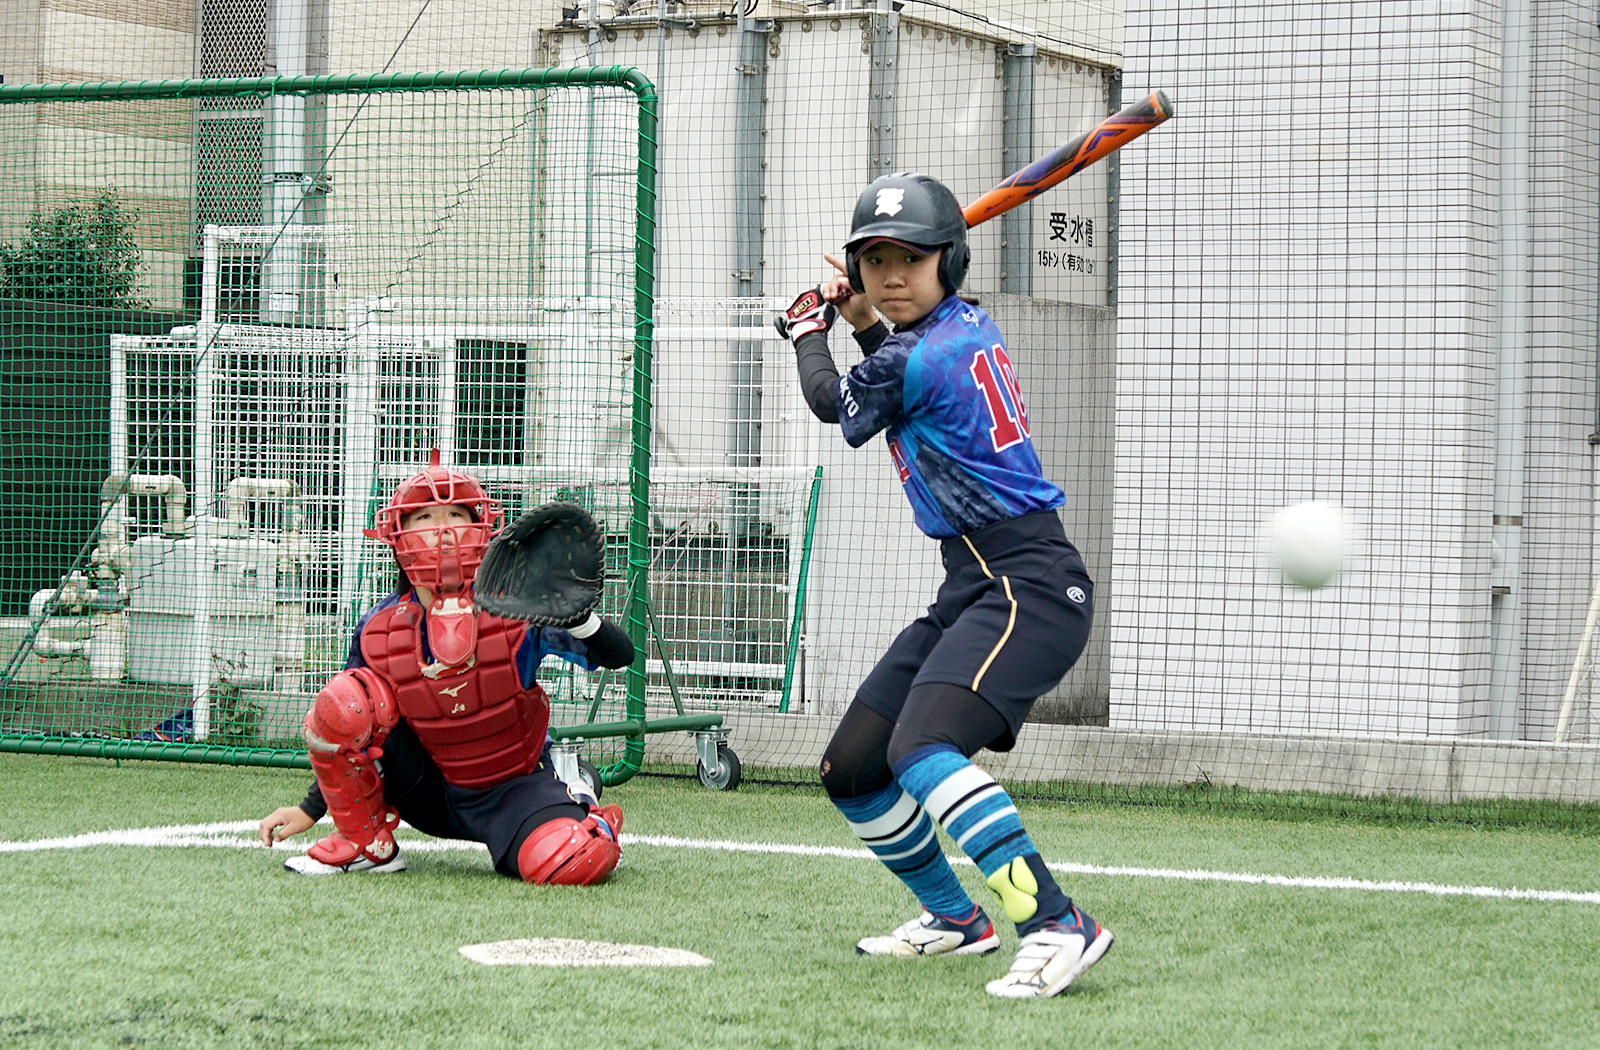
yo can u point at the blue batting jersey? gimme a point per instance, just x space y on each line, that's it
947 395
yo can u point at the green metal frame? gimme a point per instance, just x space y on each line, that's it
638 614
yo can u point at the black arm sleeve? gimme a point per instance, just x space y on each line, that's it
314 805
610 646
818 374
869 339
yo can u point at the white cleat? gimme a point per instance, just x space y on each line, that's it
935 935
305 865
1052 958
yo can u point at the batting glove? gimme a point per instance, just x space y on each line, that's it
808 313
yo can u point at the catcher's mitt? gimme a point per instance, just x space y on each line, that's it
547 567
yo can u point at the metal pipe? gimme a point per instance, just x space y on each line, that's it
242 490
637 612
882 91
1113 195
635 728
284 179
1016 136
1507 626
40 613
745 354
359 469
340 84
1580 664
118 487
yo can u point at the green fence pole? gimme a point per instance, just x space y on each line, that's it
800 590
637 612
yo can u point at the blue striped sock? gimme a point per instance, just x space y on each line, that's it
897 830
967 803
980 816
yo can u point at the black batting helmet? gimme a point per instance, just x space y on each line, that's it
915 210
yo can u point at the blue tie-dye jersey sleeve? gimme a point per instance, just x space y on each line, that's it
871 395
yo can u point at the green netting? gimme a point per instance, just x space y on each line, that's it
237 312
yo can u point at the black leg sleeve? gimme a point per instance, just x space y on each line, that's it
940 713
856 760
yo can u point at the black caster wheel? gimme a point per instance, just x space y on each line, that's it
726 775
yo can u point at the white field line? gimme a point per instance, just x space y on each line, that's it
240 834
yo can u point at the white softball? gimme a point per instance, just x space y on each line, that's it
1307 543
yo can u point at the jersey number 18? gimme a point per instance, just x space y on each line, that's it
992 371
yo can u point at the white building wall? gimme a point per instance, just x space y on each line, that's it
367 37
1317 238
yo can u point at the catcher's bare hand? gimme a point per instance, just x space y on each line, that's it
282 823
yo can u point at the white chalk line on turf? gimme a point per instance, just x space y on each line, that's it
1196 875
240 834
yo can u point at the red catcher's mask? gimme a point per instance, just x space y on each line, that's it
450 565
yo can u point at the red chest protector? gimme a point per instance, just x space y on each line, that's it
475 719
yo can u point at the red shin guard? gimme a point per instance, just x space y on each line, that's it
345 729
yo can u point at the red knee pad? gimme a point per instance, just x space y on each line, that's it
356 707
567 852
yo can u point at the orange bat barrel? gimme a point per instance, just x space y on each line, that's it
1110 135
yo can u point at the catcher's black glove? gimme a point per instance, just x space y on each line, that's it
547 568
809 312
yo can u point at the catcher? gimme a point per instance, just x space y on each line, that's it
438 718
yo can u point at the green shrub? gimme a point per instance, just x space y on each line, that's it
82 253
